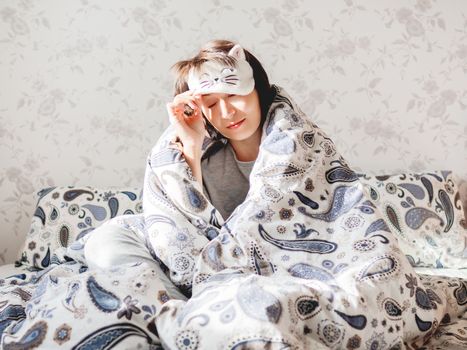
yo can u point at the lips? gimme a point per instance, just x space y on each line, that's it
236 125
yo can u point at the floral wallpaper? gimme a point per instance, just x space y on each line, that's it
83 84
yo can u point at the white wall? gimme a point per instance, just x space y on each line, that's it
83 84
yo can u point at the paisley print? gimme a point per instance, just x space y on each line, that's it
414 189
46 260
54 214
109 336
310 272
380 268
344 199
393 218
311 246
64 235
415 217
423 300
212 255
341 174
307 201
42 193
98 211
423 325
195 199
448 209
10 314
228 315
279 143
281 171
308 138
330 332
364 245
269 193
187 340
328 147
260 265
421 210
113 206
378 225
460 293
73 194
306 307
31 339
258 303
103 299
392 309
374 194
303 232
356 321
40 214
131 195
429 187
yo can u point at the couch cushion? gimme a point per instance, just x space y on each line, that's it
65 214
425 213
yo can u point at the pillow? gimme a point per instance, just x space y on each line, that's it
425 213
66 214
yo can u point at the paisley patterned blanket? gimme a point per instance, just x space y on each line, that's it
68 306
306 259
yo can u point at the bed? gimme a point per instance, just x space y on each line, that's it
42 304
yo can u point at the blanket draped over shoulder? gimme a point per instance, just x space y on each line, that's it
306 259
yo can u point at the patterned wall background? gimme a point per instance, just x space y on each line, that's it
83 84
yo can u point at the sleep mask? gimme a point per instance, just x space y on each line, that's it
214 77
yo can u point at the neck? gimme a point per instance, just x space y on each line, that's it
247 150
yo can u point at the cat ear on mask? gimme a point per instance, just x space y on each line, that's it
237 52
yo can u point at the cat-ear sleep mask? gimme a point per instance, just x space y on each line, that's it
214 77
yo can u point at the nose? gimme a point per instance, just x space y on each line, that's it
227 110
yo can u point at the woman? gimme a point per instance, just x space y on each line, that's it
231 110
234 106
306 258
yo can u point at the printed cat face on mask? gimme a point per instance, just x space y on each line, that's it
217 78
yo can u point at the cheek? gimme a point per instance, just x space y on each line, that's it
241 105
253 108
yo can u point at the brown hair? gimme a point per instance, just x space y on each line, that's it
217 50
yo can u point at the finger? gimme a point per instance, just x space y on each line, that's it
174 108
189 100
193 105
174 114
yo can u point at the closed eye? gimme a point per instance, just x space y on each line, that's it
231 95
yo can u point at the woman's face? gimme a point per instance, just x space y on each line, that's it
237 117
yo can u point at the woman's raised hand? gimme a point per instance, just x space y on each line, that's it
190 129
